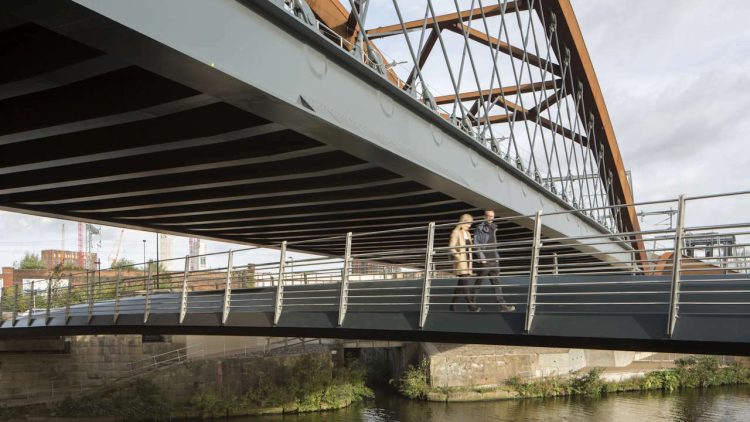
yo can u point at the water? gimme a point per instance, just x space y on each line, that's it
714 404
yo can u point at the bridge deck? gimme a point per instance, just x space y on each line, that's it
611 312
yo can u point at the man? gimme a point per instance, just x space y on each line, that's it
486 263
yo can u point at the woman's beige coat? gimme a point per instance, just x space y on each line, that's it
461 252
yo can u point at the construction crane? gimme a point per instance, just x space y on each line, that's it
115 254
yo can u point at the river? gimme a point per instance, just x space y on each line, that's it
713 404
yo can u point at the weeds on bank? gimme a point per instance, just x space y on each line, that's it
691 372
145 401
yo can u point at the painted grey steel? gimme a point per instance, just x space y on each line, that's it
147 299
15 304
32 299
184 295
2 301
227 289
429 252
533 272
49 299
344 293
279 299
118 280
90 296
674 296
351 107
67 299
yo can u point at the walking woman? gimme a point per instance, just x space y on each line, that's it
461 254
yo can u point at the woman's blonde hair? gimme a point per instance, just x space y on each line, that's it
465 218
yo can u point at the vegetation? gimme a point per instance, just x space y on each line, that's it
145 401
414 383
31 262
309 384
692 372
124 264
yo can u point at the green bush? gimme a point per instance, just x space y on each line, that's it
414 383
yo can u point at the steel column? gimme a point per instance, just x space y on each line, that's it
90 294
227 290
147 300
533 271
183 296
674 296
279 285
67 299
49 300
117 297
32 298
344 295
15 304
427 279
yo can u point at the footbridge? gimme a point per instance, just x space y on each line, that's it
358 134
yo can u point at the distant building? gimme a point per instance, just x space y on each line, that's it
54 257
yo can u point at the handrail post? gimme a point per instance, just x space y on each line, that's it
67 299
15 304
32 299
279 285
90 294
183 295
116 314
427 279
147 304
49 300
556 269
344 295
2 298
674 296
533 272
227 290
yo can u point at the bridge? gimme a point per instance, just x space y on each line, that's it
288 124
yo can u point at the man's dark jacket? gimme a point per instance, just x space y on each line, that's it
485 233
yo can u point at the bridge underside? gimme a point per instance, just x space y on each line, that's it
100 123
566 315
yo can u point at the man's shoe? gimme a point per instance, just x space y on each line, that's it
474 309
507 308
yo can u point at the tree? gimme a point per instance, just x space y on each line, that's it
124 264
31 262
152 266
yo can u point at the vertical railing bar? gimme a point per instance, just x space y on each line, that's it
116 313
32 298
15 304
49 301
533 272
674 297
147 304
556 269
2 299
183 295
344 295
227 290
67 299
279 285
90 297
427 279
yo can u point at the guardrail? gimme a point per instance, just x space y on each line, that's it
667 271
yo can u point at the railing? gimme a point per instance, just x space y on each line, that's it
662 270
549 137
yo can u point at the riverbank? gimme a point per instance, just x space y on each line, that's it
691 372
237 387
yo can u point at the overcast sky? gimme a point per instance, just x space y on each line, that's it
675 80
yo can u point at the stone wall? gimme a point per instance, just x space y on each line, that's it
35 371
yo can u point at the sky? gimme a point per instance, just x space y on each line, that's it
675 81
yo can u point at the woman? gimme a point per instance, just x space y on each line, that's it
461 253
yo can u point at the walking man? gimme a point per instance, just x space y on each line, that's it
486 263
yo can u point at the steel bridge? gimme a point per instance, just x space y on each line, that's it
289 123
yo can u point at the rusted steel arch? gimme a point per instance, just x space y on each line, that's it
559 21
569 33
